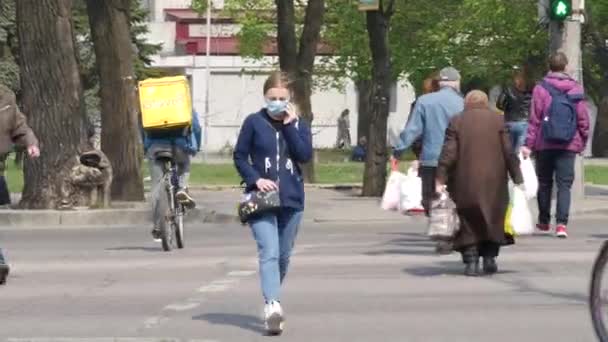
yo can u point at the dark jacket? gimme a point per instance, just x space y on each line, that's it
515 104
190 144
359 154
475 162
262 151
13 124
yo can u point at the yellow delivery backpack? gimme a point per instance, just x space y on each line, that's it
165 103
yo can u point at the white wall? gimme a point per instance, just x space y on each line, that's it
161 5
235 93
162 32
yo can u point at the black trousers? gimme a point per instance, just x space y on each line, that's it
428 174
485 249
5 197
560 164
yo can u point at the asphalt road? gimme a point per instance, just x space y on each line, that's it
348 282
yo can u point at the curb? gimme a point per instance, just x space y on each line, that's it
140 216
99 218
346 186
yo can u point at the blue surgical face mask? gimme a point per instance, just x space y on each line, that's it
276 108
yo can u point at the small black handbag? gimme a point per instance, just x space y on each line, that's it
256 203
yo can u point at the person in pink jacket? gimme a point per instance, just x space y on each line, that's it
555 158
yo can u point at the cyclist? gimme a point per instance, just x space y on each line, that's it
186 146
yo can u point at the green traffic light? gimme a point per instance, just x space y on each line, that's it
561 9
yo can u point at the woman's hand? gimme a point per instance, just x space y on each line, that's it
266 185
439 188
394 163
526 152
291 114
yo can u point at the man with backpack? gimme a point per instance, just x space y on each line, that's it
558 131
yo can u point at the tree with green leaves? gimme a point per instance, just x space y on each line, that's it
298 33
426 36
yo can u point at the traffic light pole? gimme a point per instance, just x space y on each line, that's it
566 37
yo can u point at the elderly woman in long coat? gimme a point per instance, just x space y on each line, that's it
475 163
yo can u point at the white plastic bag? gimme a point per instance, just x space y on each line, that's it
392 193
521 216
529 174
444 223
411 192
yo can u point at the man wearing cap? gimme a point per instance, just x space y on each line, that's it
13 130
430 118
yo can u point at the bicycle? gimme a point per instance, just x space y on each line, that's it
599 315
170 211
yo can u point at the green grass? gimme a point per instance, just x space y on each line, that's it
331 169
596 175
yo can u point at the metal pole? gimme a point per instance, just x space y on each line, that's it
566 37
207 79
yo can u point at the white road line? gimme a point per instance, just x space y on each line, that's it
182 306
154 321
106 339
239 274
224 284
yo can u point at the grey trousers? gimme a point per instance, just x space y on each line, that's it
157 190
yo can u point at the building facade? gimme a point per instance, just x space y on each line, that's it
235 83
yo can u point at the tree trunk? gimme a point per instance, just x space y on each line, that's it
364 98
302 92
374 178
51 98
600 138
600 56
120 132
298 63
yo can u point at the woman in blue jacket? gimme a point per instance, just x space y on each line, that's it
271 145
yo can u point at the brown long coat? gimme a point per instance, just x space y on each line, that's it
476 160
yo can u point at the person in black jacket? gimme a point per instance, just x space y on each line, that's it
515 102
271 145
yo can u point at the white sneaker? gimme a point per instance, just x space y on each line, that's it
273 318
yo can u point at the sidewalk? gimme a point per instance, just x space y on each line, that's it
340 204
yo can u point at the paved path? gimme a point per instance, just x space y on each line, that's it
349 282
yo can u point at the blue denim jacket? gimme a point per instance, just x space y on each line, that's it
190 144
430 119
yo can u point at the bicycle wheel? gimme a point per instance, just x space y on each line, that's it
166 221
179 226
598 297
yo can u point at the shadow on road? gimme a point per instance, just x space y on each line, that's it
453 268
407 244
135 248
523 286
246 322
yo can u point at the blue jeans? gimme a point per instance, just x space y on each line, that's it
517 131
561 164
275 235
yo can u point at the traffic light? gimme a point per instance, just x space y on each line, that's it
561 9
